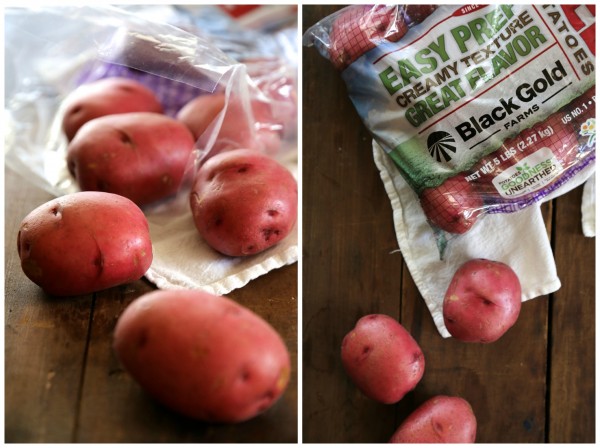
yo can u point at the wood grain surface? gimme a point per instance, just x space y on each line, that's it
534 385
63 382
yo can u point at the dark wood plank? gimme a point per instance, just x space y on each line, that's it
349 265
45 340
572 367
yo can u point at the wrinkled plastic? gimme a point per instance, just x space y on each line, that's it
484 109
52 51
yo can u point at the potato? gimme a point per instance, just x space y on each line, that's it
84 242
140 155
283 93
200 112
382 358
453 206
441 419
482 302
106 97
238 130
243 202
201 355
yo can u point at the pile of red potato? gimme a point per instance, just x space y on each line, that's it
125 154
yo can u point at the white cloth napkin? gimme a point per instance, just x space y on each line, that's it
518 239
588 207
182 260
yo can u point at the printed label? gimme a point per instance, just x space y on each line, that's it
529 175
468 78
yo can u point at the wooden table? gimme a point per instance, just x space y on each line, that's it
536 384
63 382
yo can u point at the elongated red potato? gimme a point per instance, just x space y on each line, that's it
202 355
84 242
106 97
244 202
441 419
142 156
382 358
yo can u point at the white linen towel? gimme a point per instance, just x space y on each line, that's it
518 239
588 207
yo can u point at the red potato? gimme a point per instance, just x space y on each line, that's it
453 206
268 129
239 129
277 82
440 419
243 202
201 355
417 13
360 28
84 242
106 97
141 156
382 358
482 302
200 112
283 92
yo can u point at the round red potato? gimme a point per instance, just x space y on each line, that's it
84 242
199 113
453 206
360 28
106 97
283 93
238 129
382 358
201 355
440 419
243 202
482 302
141 156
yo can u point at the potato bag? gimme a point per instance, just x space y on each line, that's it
483 108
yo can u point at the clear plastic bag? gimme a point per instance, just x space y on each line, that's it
52 51
44 66
483 108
